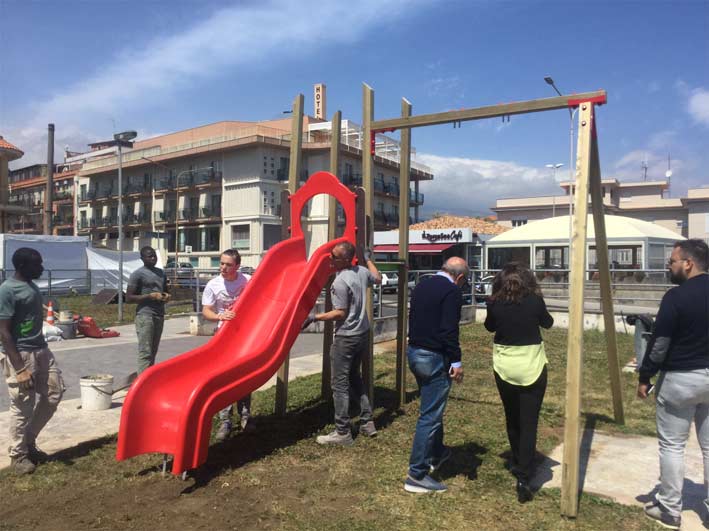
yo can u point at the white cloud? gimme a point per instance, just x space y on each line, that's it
471 186
230 38
698 105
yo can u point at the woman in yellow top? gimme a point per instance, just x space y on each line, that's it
515 312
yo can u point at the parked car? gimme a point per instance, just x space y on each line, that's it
390 281
181 276
483 288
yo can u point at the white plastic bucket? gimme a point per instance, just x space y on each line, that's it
96 391
66 316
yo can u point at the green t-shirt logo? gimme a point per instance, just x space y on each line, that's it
24 328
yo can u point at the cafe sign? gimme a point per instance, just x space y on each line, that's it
442 237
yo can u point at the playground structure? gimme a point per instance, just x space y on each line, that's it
179 397
170 407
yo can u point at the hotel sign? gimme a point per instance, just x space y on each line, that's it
320 101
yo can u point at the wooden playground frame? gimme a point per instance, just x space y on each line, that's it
588 182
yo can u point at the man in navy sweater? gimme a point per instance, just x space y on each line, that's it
679 350
434 358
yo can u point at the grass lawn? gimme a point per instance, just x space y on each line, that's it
106 315
278 478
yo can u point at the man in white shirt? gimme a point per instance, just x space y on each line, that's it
218 297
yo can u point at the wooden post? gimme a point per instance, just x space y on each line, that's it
605 275
368 183
574 357
296 144
402 305
329 326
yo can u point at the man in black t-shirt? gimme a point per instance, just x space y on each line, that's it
679 350
147 287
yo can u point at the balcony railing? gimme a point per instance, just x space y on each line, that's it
164 217
107 221
62 220
60 196
105 194
210 212
27 225
189 214
88 195
211 177
416 198
136 219
137 189
282 174
352 179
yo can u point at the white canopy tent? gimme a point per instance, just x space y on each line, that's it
544 244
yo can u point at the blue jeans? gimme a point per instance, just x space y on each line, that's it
431 372
682 397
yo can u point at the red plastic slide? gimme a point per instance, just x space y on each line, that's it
170 406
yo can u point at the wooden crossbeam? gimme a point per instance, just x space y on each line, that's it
492 111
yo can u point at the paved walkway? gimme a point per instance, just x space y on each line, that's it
626 469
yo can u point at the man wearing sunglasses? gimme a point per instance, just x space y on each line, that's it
349 294
679 350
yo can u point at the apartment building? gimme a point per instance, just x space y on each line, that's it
28 189
196 192
644 200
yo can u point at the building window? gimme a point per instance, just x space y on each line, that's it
519 222
271 236
214 261
240 237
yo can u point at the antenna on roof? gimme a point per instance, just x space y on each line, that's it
643 165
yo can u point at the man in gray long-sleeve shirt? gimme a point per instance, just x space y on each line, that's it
679 348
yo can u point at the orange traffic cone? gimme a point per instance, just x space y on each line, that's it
50 313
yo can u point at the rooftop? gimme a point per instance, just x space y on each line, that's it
9 151
477 225
557 228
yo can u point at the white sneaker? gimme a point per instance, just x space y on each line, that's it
335 438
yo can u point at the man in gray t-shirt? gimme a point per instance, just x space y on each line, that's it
349 290
147 287
27 365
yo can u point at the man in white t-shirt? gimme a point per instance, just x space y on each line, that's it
219 296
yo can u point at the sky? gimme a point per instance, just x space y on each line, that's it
156 66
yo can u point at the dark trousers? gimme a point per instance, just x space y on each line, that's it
522 404
348 391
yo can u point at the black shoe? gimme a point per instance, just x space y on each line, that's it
656 511
524 492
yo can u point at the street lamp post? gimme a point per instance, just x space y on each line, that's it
121 140
553 168
550 81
